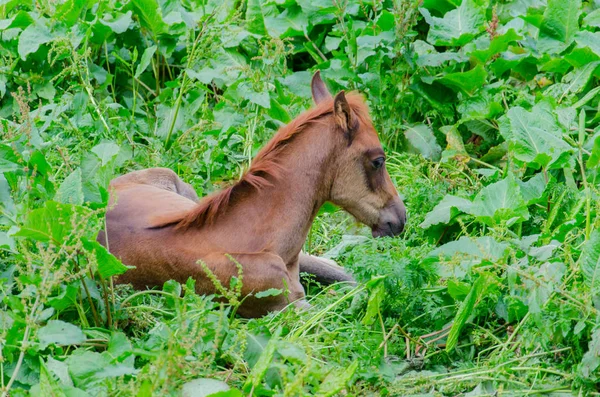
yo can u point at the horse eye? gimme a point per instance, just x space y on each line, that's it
378 162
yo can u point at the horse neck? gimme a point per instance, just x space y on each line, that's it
283 213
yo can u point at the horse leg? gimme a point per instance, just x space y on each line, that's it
325 271
260 272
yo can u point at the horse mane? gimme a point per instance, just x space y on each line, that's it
265 166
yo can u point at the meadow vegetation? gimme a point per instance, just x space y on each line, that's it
489 112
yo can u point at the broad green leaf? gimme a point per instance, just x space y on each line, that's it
293 21
48 386
70 10
255 22
458 290
108 265
148 13
497 45
246 91
594 159
500 201
119 23
421 138
203 387
575 81
376 295
145 60
458 26
336 380
590 263
21 20
561 22
455 147
106 151
467 252
298 84
264 361
7 204
84 365
479 290
8 159
52 223
71 189
591 359
60 333
533 189
268 292
426 55
589 40
279 112
32 38
445 210
224 68
536 136
468 81
60 369
592 19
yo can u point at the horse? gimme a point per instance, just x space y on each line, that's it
156 223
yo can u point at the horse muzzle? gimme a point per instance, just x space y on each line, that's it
391 219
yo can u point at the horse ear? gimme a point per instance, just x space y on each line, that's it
342 112
320 92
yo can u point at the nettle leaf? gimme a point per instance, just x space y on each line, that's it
145 60
536 136
480 289
421 138
458 26
500 201
467 81
71 189
108 265
560 23
590 263
60 333
445 210
32 38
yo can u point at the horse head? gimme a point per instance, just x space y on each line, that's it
360 183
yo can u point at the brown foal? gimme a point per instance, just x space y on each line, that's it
156 223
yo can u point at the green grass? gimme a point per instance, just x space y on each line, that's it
489 112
